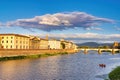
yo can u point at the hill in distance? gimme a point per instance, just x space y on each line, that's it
94 44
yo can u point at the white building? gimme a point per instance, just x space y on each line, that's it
54 44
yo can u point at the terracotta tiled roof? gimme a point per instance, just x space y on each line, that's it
14 35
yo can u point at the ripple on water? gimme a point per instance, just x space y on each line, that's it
66 67
103 76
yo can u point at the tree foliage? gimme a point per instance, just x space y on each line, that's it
115 74
84 47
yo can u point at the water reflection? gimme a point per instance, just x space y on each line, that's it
65 67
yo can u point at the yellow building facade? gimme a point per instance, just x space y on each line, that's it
38 43
34 43
14 41
0 43
115 45
43 43
17 41
68 44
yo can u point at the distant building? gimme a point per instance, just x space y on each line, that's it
14 41
115 45
68 44
34 42
75 46
43 43
54 44
38 43
17 41
0 43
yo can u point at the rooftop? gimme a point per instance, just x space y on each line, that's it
14 35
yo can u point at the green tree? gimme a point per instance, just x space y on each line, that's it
86 47
105 47
100 47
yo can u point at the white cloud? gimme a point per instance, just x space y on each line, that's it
61 21
86 37
94 28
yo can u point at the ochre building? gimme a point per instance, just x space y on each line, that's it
38 43
17 41
14 41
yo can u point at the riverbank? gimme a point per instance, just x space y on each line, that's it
11 54
31 56
115 74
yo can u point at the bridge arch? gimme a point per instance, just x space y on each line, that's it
113 51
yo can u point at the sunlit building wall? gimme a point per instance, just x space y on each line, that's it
43 43
54 44
14 41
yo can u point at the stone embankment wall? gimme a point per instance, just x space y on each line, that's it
25 52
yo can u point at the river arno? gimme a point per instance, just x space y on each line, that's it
76 66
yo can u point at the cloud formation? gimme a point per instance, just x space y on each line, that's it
86 37
61 21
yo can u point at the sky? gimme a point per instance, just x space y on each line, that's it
75 20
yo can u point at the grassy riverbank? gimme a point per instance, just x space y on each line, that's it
115 74
31 56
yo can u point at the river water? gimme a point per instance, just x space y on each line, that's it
76 66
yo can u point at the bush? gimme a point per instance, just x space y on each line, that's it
115 74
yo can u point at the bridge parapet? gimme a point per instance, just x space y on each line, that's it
113 51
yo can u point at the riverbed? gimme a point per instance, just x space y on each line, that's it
77 66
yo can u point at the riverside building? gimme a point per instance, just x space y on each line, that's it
38 43
17 41
54 44
14 41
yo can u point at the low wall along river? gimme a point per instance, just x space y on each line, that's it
25 52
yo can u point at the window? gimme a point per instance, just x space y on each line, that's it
2 37
11 37
23 47
6 41
11 41
20 47
6 46
2 41
11 46
16 46
7 37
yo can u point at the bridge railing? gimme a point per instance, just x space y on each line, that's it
100 50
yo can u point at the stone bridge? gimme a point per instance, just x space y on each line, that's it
113 51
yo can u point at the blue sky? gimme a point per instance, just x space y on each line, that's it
79 21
